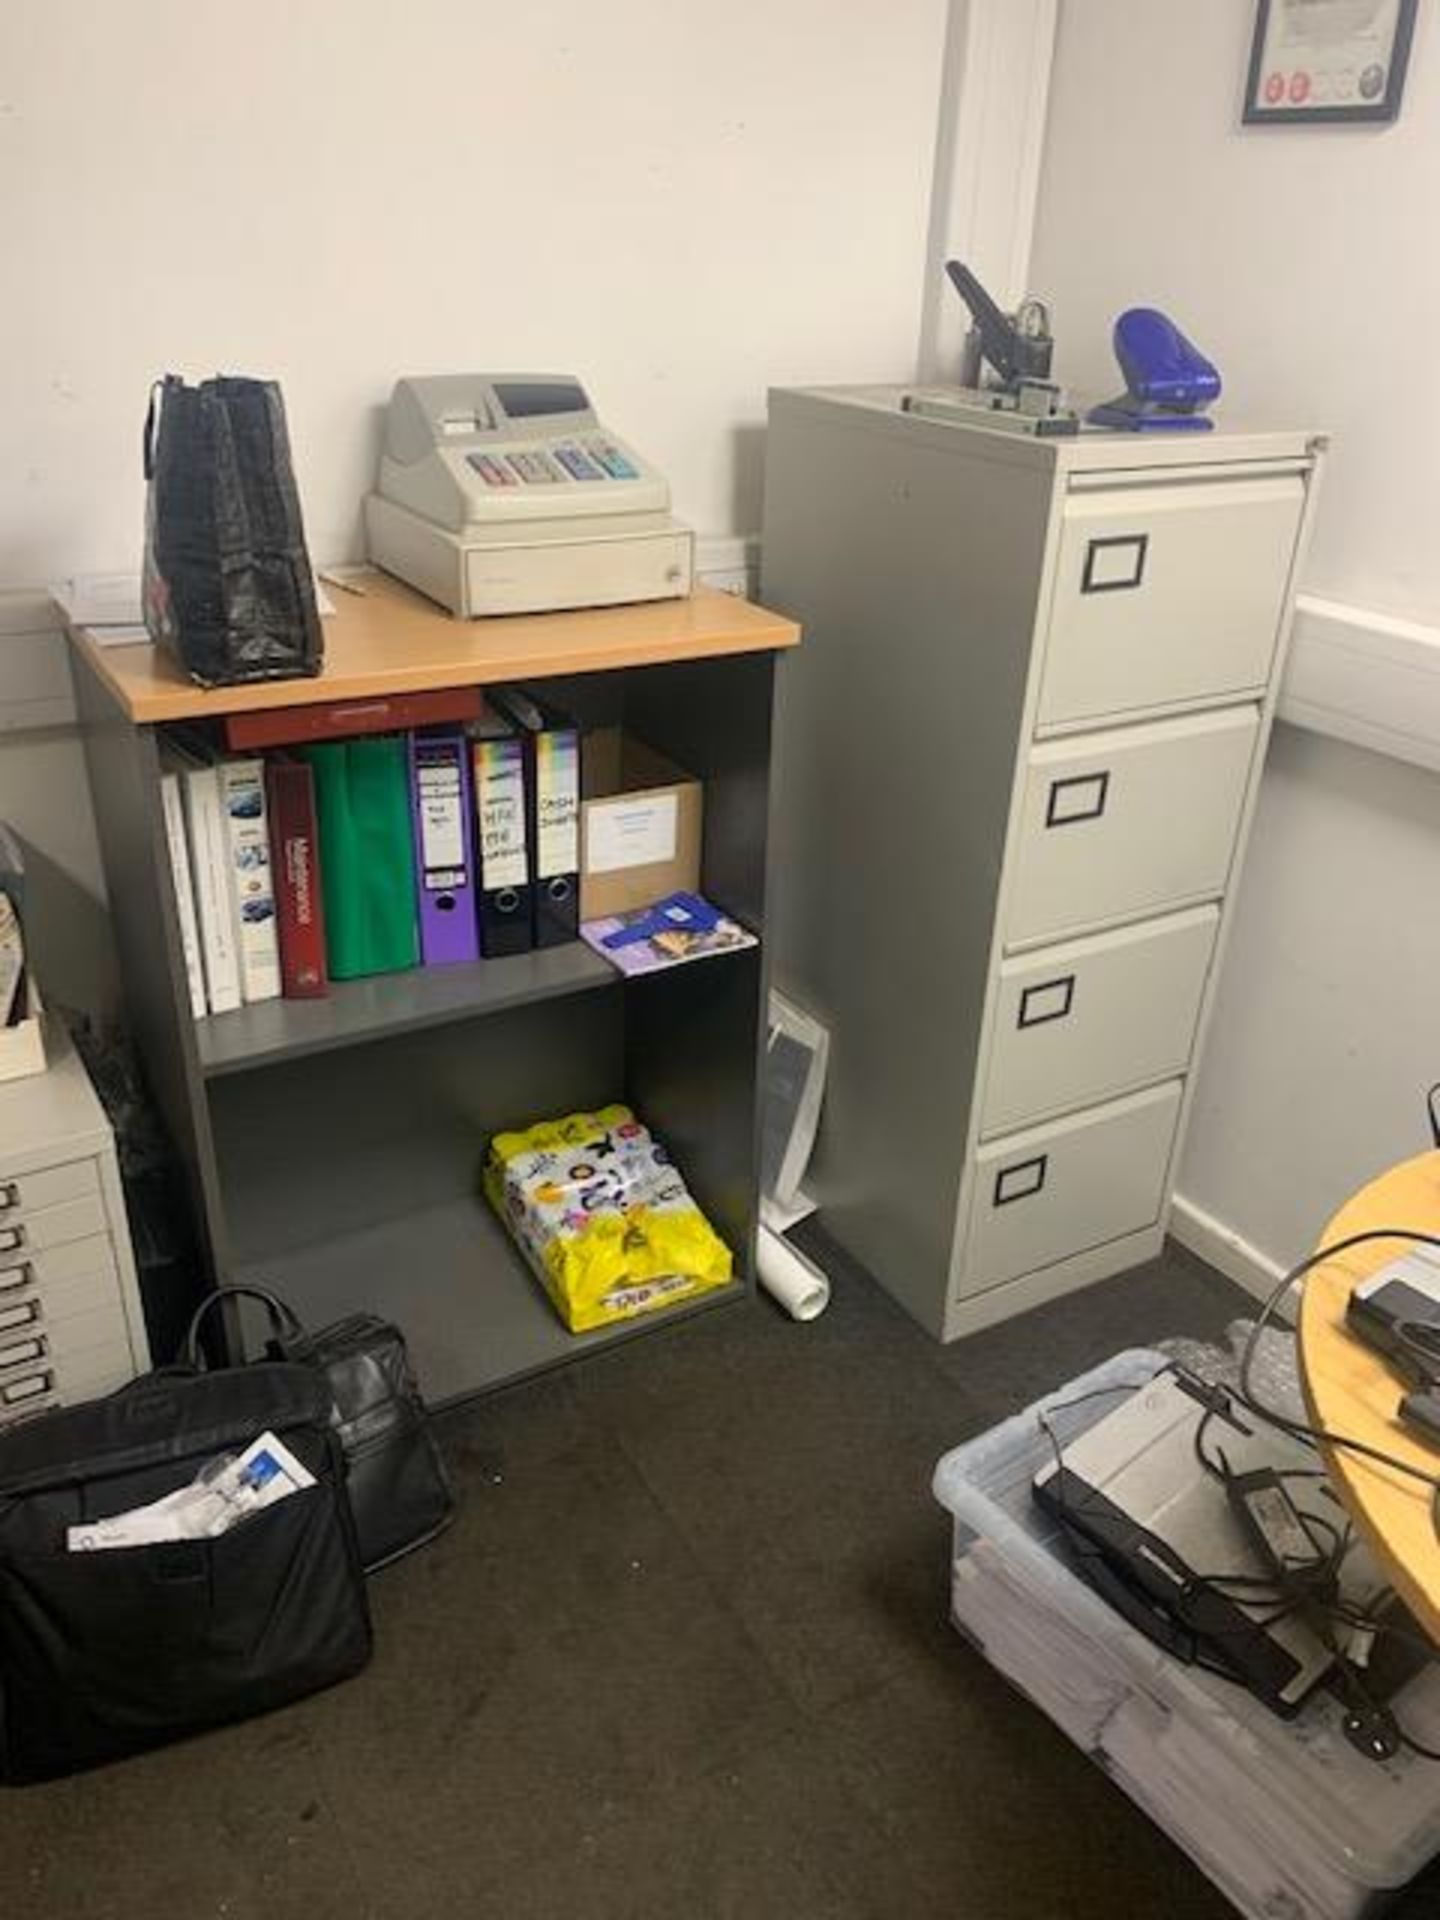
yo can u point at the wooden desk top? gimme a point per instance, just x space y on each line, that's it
1351 1390
390 640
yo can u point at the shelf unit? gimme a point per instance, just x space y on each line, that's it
333 1147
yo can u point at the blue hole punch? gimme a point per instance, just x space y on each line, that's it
1168 382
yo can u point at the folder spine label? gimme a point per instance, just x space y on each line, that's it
500 804
557 803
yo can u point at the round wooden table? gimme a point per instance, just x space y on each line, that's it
1351 1390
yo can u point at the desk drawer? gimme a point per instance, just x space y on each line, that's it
47 1227
1070 1185
1167 593
1092 1017
1128 821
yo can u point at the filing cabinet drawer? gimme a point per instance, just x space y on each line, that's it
1070 1185
36 1388
44 1363
72 1276
27 1193
1128 821
1167 593
48 1227
1092 1017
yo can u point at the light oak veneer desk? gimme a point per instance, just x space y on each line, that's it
1349 1389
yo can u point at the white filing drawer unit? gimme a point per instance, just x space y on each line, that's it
1018 756
71 1324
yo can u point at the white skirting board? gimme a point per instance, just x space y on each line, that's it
1223 1248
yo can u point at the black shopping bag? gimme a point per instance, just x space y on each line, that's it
228 587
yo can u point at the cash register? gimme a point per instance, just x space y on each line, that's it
503 493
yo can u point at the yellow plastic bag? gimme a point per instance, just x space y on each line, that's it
603 1217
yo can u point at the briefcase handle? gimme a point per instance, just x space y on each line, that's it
285 1323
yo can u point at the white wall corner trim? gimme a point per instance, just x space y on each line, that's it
1224 1249
1365 677
995 91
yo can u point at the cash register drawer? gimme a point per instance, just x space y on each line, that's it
1072 1184
1128 822
1092 1017
1167 593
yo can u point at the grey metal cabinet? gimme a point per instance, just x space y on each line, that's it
1016 764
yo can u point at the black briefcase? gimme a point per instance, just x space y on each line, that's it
399 1489
106 1653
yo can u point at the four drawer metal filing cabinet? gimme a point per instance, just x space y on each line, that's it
1016 766
71 1325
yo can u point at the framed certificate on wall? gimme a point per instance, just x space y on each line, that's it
1320 61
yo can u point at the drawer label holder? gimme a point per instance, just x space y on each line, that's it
1082 797
1115 563
1020 1180
1047 1000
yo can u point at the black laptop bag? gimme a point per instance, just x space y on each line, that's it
400 1492
106 1653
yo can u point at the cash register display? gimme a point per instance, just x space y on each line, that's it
524 399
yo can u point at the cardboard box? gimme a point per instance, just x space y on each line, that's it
22 1046
641 821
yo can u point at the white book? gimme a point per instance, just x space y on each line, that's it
184 889
252 884
210 871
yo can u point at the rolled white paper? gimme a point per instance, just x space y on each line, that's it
787 1276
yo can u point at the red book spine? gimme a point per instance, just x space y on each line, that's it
295 860
339 719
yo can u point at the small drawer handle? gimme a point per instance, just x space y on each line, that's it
1081 797
13 1392
1047 1000
16 1279
1115 564
23 1313
21 1352
11 1239
9 1195
1020 1180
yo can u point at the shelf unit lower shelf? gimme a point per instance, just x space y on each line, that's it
474 1316
385 1004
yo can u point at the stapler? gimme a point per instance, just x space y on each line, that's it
1005 369
1168 381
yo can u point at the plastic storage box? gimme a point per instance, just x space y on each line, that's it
1286 1817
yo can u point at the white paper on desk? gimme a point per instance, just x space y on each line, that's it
108 605
265 1472
99 599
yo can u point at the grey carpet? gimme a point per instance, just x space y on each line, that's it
684 1653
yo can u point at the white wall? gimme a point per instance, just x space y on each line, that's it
683 203
1304 263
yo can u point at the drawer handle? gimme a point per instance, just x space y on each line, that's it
1046 1000
9 1196
16 1279
1020 1180
23 1313
11 1239
1115 564
23 1352
13 1392
1081 797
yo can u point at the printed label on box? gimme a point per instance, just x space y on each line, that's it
639 832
